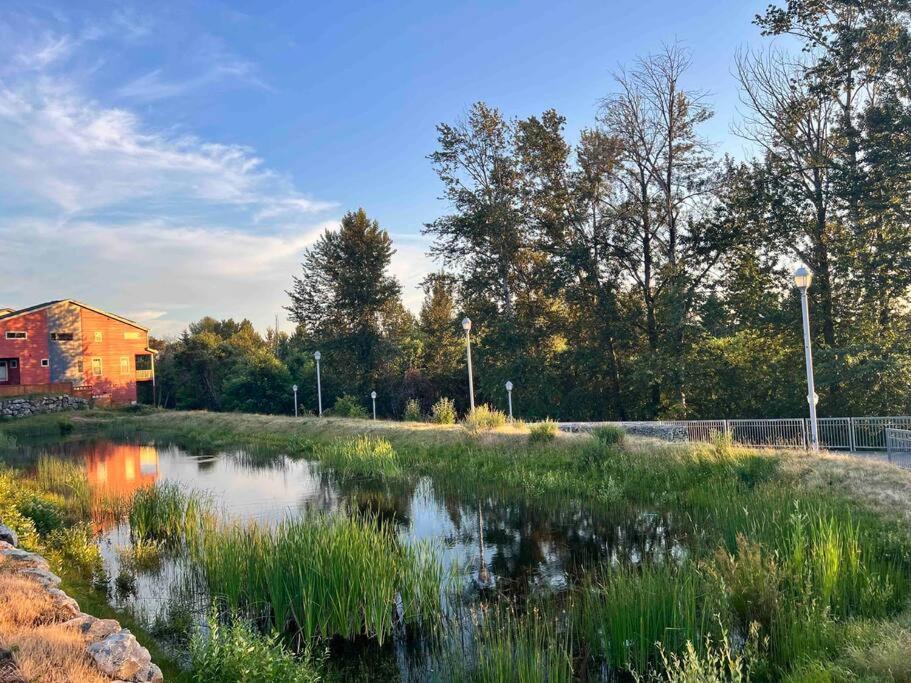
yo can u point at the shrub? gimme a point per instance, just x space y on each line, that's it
443 412
609 435
236 651
542 432
484 417
349 406
413 411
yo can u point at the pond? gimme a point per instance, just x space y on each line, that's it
496 546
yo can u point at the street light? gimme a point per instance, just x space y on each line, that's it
373 398
509 394
466 325
294 388
802 279
319 386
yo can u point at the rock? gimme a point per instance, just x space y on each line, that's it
43 576
68 607
7 535
92 628
25 557
151 674
120 655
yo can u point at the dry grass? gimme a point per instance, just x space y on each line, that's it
876 485
31 628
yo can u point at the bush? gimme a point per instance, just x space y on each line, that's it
610 435
413 411
238 652
349 406
443 412
484 417
542 432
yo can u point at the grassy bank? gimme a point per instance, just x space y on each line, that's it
793 567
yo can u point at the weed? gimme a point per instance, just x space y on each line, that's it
413 412
144 555
484 417
542 432
236 651
609 435
364 456
166 512
349 406
443 412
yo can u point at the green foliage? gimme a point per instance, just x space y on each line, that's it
413 412
233 650
144 555
443 412
609 435
7 441
349 406
542 432
322 576
166 512
721 663
364 456
484 417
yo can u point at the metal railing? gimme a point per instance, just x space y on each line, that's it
835 433
898 446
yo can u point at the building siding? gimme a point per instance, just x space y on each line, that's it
112 346
65 317
29 351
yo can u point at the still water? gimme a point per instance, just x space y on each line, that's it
495 544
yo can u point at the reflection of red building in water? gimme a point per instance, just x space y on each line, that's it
121 469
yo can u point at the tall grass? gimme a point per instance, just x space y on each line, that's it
167 512
363 456
630 616
324 576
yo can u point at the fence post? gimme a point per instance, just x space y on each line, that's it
803 428
851 437
727 428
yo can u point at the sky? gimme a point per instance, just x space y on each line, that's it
171 160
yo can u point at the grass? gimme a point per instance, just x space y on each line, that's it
321 576
483 418
543 432
810 553
166 512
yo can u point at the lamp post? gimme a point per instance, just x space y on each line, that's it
466 325
802 279
373 398
294 388
509 396
319 386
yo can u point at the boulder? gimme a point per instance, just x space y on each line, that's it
68 607
92 628
43 576
120 655
7 535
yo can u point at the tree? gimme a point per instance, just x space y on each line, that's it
345 297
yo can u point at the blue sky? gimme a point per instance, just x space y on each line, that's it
170 160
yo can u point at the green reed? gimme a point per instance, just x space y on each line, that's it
361 457
167 512
324 576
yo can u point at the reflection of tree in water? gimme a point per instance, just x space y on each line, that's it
537 544
388 501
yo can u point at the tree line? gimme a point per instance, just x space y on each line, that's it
632 272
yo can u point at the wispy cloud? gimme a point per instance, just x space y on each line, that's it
102 206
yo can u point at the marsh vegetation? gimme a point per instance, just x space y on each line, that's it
443 553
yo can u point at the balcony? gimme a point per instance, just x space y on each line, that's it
143 375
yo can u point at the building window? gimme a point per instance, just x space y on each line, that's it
14 363
99 336
144 362
131 335
45 363
96 367
4 373
16 334
124 365
62 336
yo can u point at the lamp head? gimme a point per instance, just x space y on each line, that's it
373 394
294 388
466 324
317 355
508 386
802 277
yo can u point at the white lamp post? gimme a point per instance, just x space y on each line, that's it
466 325
294 388
802 279
319 386
509 395
373 398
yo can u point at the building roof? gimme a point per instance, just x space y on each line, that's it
48 304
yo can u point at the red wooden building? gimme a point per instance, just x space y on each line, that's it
67 342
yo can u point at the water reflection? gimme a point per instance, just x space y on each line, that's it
120 469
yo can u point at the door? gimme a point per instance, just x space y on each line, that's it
4 372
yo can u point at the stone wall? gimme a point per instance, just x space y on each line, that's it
656 430
114 650
24 406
